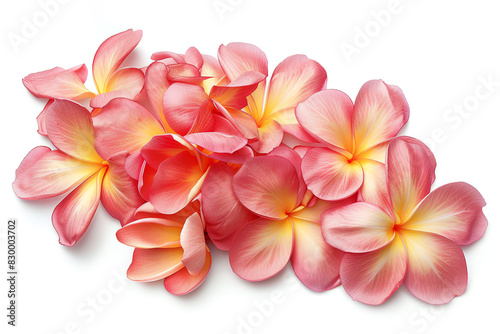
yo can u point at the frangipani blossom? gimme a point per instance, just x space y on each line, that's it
355 138
199 90
168 247
292 82
186 104
287 227
416 240
76 165
110 81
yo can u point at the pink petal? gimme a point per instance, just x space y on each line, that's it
41 119
314 262
145 181
437 271
181 105
204 119
270 136
73 215
59 83
295 136
216 141
294 80
240 120
316 207
44 173
329 175
357 228
162 55
224 214
126 83
176 183
373 277
454 211
154 264
238 58
235 94
69 128
133 165
151 233
212 69
194 57
182 282
374 189
160 148
193 244
261 249
124 126
111 55
147 211
327 116
120 196
410 173
377 153
239 157
380 110
267 186
185 73
296 160
156 84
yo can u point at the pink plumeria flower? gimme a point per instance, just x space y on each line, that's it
356 137
76 165
168 247
417 241
110 81
287 224
187 104
293 81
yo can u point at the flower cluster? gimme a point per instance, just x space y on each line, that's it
278 169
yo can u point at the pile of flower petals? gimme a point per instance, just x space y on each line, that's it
192 150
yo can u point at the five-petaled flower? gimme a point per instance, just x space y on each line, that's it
416 240
76 165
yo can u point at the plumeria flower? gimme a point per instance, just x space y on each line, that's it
186 104
294 80
111 81
417 241
168 247
356 137
76 165
287 224
200 89
125 125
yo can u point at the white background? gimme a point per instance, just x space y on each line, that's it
437 52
